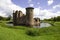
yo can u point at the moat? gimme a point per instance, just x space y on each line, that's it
36 26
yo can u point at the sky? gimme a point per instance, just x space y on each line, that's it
42 8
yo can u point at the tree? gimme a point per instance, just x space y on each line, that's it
9 17
55 19
58 18
1 18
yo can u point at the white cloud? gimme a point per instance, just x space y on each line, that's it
56 6
48 14
7 6
38 3
2 14
58 13
31 5
45 14
36 11
50 2
29 1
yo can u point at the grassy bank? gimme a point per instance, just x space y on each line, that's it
19 32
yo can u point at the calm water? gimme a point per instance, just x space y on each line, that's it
41 25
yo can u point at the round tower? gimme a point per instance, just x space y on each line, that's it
29 16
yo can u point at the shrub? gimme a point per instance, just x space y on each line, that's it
33 32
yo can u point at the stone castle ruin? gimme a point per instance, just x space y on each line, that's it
21 19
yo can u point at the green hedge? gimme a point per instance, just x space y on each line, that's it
33 32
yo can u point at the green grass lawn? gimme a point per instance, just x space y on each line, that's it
19 32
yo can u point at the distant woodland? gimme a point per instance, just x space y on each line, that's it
53 19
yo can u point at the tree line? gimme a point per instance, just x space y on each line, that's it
5 18
53 19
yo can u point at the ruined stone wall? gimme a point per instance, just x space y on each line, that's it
15 17
20 19
37 21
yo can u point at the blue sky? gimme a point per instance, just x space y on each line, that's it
43 8
42 3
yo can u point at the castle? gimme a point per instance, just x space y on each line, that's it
21 19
